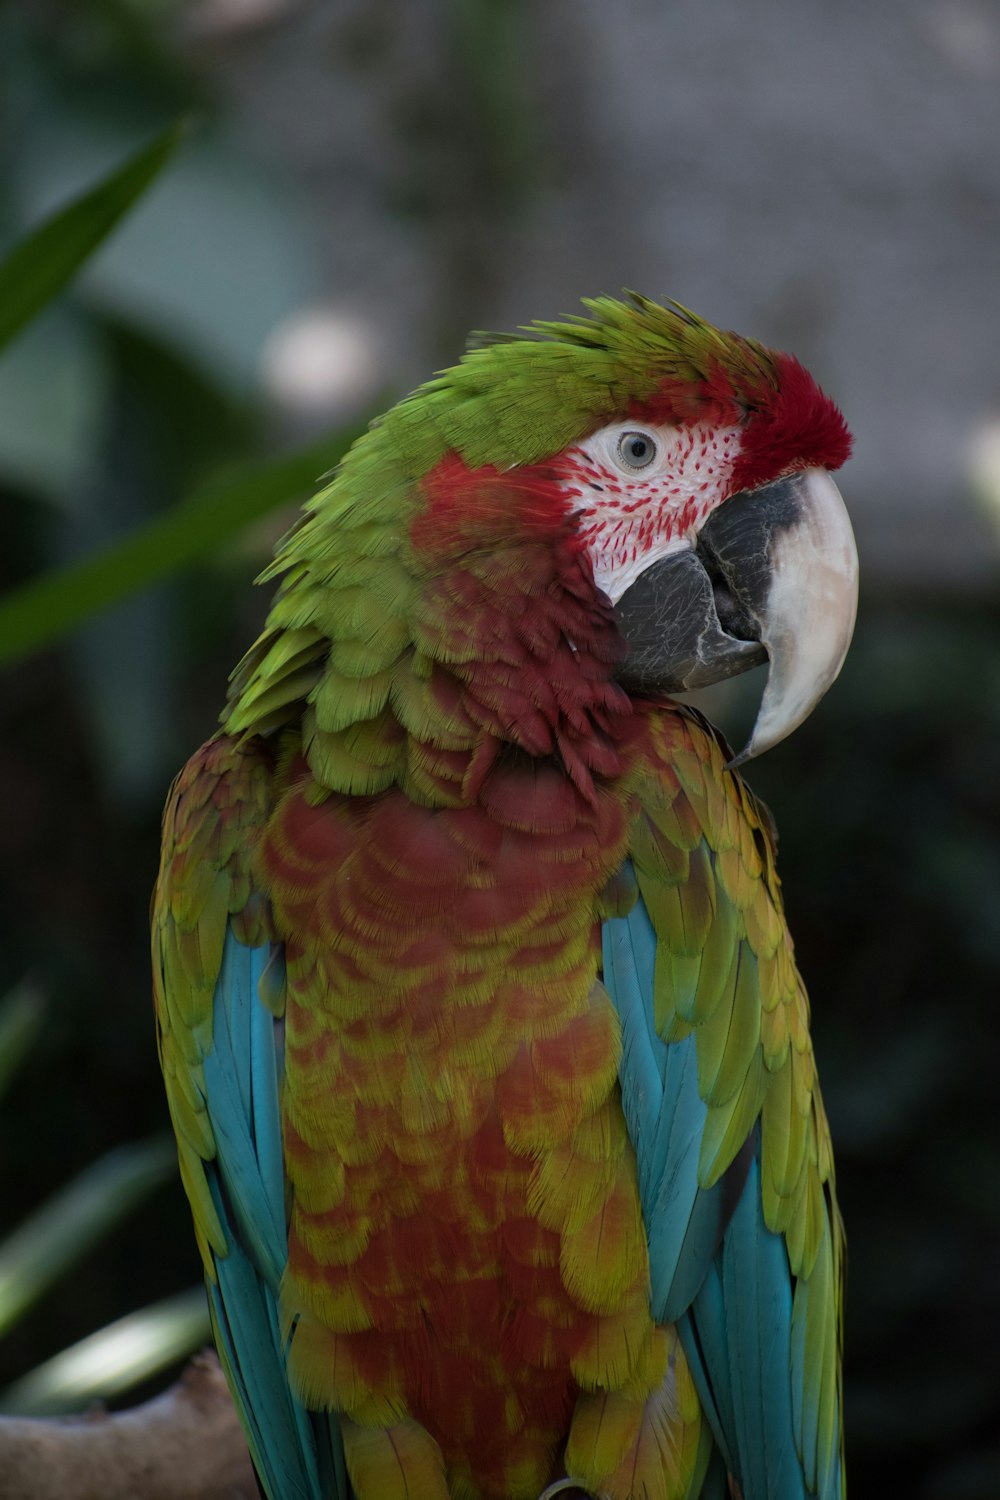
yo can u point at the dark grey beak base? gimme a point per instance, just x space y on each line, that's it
693 618
773 577
681 628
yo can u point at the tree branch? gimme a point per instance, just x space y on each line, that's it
184 1445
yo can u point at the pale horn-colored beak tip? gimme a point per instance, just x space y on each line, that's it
807 621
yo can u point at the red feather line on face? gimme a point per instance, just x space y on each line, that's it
623 518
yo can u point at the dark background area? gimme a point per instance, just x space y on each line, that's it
366 183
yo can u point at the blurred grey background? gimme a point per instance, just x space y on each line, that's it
369 180
825 176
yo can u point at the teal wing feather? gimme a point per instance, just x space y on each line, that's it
295 1452
219 992
720 1098
666 1113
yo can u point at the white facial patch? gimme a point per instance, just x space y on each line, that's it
644 490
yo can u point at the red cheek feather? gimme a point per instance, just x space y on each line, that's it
476 508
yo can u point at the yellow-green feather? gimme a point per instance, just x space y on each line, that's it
215 807
725 973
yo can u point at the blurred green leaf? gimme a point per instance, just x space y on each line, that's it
120 1356
21 1014
43 262
59 601
61 1232
56 383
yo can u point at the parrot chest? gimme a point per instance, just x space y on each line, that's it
465 1241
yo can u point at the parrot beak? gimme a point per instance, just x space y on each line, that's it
773 577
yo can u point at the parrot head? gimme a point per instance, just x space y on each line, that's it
631 495
713 525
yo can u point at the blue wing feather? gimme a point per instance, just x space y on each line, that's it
298 1454
666 1118
245 1333
757 1293
228 1071
702 1337
629 953
715 1485
264 1071
715 1268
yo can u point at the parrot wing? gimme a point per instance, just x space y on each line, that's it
219 996
720 1096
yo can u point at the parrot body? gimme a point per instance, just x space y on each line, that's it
483 1039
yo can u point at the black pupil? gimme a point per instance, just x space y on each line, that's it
638 448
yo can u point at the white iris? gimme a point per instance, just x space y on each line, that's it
635 450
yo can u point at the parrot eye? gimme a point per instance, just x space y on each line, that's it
636 450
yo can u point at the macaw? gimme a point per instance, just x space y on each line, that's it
482 1034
